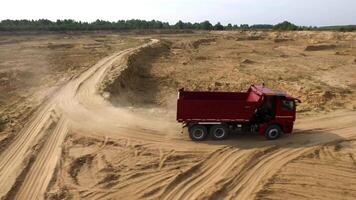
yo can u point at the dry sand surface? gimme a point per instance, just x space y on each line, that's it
92 116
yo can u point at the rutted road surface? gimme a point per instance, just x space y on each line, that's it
233 169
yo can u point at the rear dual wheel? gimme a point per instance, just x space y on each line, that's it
198 132
219 132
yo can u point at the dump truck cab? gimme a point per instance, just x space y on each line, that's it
277 108
260 109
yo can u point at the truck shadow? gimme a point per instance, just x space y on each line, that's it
299 138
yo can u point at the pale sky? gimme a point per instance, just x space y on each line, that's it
300 12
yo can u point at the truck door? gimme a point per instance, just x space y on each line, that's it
267 111
286 108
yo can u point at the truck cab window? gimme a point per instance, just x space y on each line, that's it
289 105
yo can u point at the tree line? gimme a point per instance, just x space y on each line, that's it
72 25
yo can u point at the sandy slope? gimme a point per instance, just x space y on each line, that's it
114 153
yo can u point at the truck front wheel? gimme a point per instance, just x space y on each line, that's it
219 132
273 132
197 132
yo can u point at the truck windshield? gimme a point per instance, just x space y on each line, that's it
289 105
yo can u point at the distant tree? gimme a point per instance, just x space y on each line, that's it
196 26
179 25
244 26
206 25
188 25
166 25
287 26
261 26
218 26
347 28
229 27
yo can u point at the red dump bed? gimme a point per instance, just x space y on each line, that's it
217 106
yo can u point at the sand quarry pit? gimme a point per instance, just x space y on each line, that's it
92 116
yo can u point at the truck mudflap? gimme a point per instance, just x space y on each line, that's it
286 127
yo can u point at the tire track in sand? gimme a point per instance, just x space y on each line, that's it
326 173
241 174
13 159
211 175
44 165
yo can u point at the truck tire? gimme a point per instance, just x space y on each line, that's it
273 132
219 132
197 132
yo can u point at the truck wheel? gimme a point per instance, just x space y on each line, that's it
198 132
273 132
219 132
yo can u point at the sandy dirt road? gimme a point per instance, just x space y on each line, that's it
240 168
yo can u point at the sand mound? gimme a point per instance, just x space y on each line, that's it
251 36
78 164
320 47
278 40
204 41
130 85
60 46
247 61
201 58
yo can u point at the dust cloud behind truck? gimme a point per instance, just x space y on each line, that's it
260 109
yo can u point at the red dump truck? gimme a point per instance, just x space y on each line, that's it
262 110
